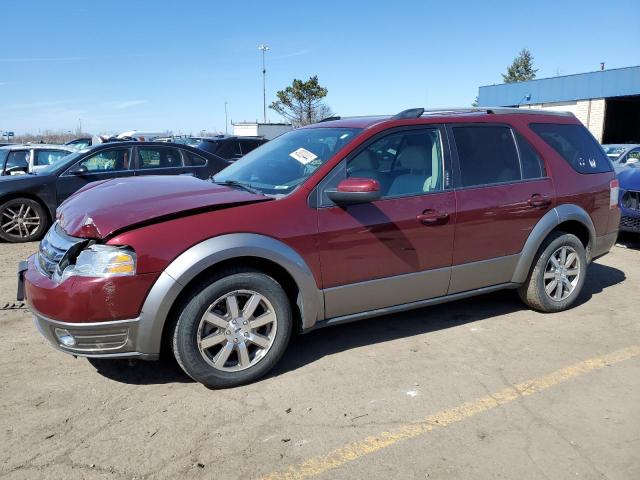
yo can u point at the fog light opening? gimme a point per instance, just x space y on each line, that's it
64 337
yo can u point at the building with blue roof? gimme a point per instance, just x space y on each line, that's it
606 101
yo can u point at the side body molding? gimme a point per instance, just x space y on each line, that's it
210 252
553 218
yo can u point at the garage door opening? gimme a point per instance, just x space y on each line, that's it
622 120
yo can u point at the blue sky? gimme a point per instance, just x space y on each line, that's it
157 65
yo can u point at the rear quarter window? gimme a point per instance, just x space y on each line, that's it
576 145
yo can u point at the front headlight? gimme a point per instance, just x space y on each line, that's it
101 261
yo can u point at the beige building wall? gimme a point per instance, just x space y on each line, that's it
590 112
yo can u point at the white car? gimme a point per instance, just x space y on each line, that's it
23 159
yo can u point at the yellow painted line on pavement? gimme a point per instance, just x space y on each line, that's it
358 449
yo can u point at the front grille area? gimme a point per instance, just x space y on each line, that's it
631 200
630 223
55 249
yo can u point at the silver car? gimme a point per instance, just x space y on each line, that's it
622 153
22 159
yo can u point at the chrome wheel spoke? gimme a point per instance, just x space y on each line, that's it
232 306
549 275
7 214
213 339
571 258
573 272
216 320
551 286
554 261
243 355
262 320
259 340
558 294
223 355
251 305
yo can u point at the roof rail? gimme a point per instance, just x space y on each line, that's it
329 119
489 110
410 113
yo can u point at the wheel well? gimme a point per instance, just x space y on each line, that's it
35 198
576 228
268 267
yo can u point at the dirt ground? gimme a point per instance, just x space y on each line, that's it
480 388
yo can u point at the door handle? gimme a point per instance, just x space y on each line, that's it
431 217
538 200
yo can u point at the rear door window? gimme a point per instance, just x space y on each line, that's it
487 155
158 157
193 160
532 164
576 145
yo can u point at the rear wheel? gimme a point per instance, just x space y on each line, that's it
22 220
232 330
557 277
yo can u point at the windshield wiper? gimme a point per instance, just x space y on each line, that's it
235 183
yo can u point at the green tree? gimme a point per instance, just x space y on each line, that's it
301 102
475 102
521 69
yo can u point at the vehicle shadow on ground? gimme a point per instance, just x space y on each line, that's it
305 349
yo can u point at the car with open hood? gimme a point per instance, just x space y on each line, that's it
342 220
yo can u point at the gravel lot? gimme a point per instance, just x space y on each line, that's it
481 388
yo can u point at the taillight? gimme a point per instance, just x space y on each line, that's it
614 191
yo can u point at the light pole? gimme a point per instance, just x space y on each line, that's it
264 48
80 125
226 123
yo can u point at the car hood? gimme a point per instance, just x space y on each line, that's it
101 209
629 177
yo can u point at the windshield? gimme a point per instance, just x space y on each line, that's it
613 151
279 166
66 160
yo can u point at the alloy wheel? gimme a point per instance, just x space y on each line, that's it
237 331
20 220
562 273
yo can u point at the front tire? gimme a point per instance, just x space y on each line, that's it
22 220
557 277
232 329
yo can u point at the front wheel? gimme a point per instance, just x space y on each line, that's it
22 220
557 277
233 329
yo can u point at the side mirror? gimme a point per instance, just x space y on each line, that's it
352 191
78 170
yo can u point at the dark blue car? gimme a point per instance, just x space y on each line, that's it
629 178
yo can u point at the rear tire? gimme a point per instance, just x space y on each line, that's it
558 274
232 329
22 220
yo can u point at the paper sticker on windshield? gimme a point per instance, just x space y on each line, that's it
303 155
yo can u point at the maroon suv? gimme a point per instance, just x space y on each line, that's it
339 221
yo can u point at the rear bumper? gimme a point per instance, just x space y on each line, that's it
116 339
603 244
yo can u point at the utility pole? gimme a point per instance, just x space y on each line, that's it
264 48
80 124
226 123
